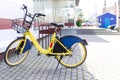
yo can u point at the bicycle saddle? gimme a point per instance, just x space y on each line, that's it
56 25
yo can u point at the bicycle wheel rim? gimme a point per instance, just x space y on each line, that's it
78 56
11 57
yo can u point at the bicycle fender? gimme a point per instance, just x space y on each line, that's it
68 41
26 45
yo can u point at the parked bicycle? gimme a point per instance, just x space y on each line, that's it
70 51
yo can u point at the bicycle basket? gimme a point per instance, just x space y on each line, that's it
17 25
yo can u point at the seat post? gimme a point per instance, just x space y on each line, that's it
56 29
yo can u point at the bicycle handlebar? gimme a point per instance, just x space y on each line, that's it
24 7
30 16
39 14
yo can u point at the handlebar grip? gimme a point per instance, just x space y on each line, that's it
39 14
43 15
24 7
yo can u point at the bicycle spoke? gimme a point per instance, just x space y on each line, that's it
12 56
77 57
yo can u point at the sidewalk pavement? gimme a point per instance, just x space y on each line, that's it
102 63
103 55
103 59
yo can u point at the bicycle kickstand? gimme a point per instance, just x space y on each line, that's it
38 53
59 62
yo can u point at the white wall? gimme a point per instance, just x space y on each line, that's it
11 8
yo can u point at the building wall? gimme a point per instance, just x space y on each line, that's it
55 10
44 7
111 9
5 23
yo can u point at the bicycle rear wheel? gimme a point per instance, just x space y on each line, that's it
78 56
13 55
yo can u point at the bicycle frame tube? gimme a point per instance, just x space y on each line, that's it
49 50
62 45
35 42
19 47
52 42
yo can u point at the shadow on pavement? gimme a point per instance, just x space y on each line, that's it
86 74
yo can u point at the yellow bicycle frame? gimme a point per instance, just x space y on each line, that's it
49 50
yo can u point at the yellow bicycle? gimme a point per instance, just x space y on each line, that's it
70 51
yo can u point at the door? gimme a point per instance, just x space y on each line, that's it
107 22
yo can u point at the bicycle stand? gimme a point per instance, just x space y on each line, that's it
59 62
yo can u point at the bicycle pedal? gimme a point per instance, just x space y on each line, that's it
38 54
48 55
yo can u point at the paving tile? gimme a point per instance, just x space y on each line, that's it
44 68
37 68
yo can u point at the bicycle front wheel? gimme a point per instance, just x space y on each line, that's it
78 56
13 55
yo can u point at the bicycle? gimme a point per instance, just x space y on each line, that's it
70 51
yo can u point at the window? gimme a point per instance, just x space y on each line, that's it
112 18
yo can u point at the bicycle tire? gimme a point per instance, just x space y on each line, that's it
12 58
79 54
